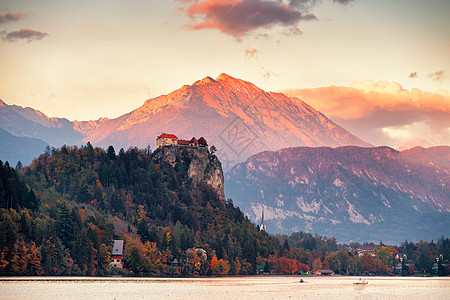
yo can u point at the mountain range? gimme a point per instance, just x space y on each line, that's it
324 179
24 149
236 116
352 193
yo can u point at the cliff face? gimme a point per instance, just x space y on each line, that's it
200 165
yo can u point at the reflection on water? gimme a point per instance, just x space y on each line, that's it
224 288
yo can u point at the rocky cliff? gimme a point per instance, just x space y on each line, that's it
198 164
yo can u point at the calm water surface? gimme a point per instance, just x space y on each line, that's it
224 288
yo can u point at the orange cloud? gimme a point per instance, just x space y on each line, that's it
384 113
251 53
364 98
439 75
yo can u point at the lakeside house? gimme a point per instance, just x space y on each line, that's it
400 256
169 139
324 273
117 255
361 250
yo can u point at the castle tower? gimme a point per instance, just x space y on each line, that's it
262 227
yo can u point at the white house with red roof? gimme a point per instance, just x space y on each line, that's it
168 139
117 254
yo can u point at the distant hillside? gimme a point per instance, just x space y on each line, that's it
352 193
23 149
28 122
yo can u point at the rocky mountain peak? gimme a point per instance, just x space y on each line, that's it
235 115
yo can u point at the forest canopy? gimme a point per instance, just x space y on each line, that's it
60 215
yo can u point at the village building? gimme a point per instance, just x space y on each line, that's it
200 252
168 139
117 255
401 256
174 263
324 272
361 250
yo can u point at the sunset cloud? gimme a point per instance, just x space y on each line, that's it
413 75
24 34
239 17
251 53
344 2
9 17
384 112
439 75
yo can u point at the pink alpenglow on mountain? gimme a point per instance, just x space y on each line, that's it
234 115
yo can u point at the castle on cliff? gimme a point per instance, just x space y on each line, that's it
168 139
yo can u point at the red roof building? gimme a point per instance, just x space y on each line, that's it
117 254
167 136
166 139
183 143
193 142
365 250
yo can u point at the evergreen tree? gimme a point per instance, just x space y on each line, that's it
405 268
111 153
19 166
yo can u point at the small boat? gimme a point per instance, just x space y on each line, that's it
360 281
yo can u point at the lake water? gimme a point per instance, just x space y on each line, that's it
257 287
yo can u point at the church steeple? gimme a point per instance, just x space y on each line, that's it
262 227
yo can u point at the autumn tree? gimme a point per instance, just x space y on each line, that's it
214 264
385 255
223 267
317 264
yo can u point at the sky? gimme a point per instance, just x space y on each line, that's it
381 69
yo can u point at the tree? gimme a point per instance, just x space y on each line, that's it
317 264
385 255
214 264
65 226
134 255
111 153
267 266
442 270
405 268
223 267
104 259
84 253
425 259
202 141
19 166
236 266
369 264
